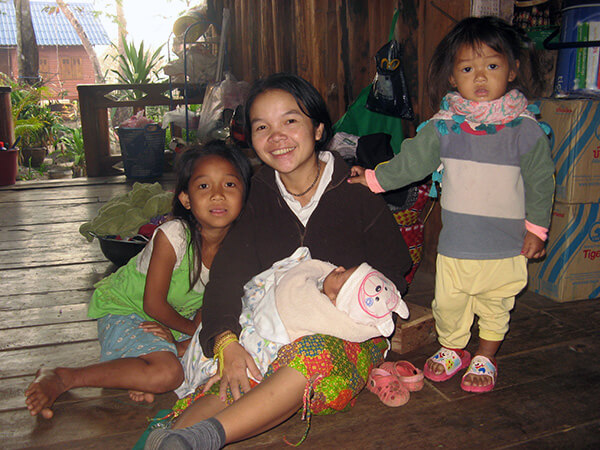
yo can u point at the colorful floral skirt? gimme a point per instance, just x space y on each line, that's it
339 369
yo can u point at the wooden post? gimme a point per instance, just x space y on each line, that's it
95 137
7 131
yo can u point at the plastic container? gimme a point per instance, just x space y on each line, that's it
577 68
197 18
119 252
143 151
8 167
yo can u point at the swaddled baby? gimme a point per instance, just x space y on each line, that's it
299 296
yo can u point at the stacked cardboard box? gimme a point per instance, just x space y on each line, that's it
571 269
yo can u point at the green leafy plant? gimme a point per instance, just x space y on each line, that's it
137 65
71 147
34 122
33 173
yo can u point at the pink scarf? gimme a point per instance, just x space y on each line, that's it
496 112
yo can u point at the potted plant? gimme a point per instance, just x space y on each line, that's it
34 123
35 131
70 149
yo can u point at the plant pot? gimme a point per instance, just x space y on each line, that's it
34 154
8 167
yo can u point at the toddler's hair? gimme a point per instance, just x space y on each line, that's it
473 32
184 168
308 98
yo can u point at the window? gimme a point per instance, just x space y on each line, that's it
70 68
44 68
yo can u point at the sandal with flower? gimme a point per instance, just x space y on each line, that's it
388 388
407 374
481 366
451 360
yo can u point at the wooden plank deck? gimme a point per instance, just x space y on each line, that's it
547 396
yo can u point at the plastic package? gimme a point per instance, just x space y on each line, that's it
220 98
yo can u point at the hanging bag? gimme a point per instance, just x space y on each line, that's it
389 93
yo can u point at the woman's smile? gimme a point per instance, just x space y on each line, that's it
283 136
282 151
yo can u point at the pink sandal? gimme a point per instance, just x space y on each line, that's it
407 374
480 365
452 360
387 387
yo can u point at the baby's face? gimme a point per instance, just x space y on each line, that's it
335 280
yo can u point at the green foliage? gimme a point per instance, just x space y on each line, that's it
34 122
33 173
137 65
71 145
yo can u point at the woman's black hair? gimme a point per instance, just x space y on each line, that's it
473 32
308 98
184 168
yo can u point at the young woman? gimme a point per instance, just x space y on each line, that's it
300 198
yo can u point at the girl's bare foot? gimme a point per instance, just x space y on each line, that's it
139 396
476 380
45 389
489 350
436 368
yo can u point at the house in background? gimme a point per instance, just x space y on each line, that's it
63 61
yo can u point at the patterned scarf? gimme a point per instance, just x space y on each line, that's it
501 111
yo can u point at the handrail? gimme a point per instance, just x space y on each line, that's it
93 107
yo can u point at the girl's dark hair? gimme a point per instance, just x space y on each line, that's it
308 98
184 168
473 32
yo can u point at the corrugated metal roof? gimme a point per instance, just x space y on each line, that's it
52 29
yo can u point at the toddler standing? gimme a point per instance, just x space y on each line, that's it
497 197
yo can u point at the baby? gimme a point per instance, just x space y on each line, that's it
299 296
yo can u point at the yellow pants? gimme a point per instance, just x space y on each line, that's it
468 287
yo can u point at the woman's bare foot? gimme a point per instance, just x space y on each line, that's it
43 391
139 396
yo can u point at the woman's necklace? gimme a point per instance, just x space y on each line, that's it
311 184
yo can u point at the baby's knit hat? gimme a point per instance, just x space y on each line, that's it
369 298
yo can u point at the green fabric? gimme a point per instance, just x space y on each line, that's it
158 421
538 176
122 292
359 121
125 214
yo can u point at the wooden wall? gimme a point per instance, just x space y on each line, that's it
329 42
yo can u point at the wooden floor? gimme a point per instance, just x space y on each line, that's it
547 396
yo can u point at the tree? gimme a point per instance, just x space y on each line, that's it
87 45
122 24
27 50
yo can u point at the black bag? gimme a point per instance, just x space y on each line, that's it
389 93
375 148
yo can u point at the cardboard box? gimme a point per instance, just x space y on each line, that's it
571 269
575 147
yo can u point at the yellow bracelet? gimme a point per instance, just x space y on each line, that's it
219 357
222 338
224 343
